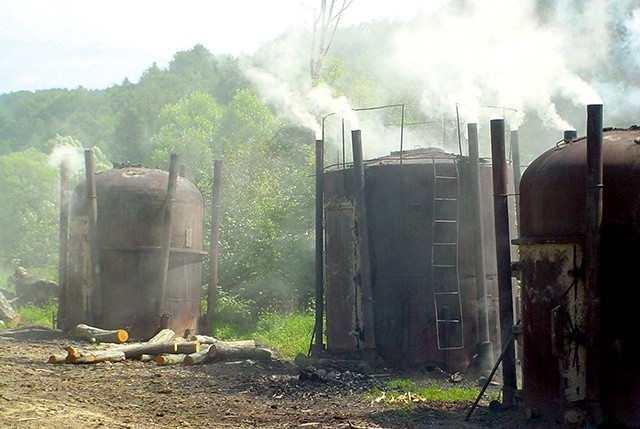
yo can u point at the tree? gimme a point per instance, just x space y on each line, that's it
325 24
29 213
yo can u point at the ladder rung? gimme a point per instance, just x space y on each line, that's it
445 244
443 266
448 320
445 220
447 177
444 199
446 293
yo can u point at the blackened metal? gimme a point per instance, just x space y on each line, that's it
570 135
63 249
166 232
592 250
319 325
503 259
214 245
95 305
517 171
485 359
362 230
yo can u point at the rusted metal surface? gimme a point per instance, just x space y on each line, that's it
565 370
401 213
558 177
130 220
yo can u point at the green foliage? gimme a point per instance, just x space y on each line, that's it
29 213
42 316
235 317
288 334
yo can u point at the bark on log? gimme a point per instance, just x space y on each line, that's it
7 313
100 356
163 336
172 359
135 351
221 351
204 339
57 358
199 357
93 334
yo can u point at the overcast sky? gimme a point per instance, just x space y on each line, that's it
95 44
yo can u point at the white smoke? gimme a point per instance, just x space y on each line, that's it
70 153
491 56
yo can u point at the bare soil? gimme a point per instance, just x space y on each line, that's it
134 394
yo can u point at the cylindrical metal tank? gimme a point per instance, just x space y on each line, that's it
561 374
422 260
131 213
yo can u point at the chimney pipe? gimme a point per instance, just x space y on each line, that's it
63 249
503 260
95 309
214 246
484 348
319 328
517 172
592 255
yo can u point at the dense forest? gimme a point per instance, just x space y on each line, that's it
247 112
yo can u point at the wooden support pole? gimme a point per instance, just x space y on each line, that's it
214 247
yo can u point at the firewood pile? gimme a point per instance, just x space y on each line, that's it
165 348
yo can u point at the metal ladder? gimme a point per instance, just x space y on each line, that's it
444 255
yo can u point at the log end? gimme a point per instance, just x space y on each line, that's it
122 335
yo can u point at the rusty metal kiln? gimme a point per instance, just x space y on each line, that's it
421 239
129 287
580 233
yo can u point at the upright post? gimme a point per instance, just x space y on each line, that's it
166 240
503 260
362 230
214 246
319 323
484 347
63 249
95 292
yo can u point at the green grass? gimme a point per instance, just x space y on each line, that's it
405 393
288 334
43 316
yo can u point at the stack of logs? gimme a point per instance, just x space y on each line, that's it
165 348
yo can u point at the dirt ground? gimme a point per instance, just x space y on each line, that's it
246 394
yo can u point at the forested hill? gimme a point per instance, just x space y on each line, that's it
119 120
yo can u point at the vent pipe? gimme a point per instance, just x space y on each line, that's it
503 260
319 328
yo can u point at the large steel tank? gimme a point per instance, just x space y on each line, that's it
566 378
420 222
130 291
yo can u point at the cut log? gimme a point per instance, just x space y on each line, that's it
188 347
169 359
72 352
221 351
163 336
135 351
7 313
100 356
204 339
57 358
199 357
93 334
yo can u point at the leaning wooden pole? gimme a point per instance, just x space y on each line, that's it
63 247
167 225
214 246
95 293
362 230
503 260
319 323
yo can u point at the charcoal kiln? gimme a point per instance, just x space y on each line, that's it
148 272
421 259
580 232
